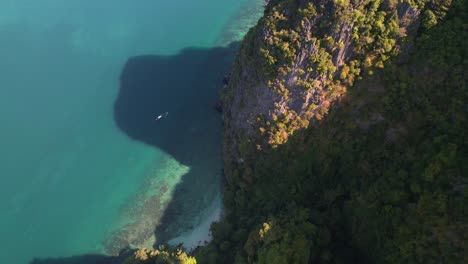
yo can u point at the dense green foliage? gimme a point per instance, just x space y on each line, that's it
380 179
162 255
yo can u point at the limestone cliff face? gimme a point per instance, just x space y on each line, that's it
300 59
344 142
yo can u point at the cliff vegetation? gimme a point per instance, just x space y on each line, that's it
346 136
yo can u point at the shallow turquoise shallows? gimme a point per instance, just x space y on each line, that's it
108 134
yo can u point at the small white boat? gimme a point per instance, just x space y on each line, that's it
161 116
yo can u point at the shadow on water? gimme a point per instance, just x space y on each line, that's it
186 86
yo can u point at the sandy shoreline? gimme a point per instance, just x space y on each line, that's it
201 234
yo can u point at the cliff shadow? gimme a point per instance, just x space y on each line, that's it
167 102
184 86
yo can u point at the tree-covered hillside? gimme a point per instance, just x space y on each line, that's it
381 176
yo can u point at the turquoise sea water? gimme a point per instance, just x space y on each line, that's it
84 167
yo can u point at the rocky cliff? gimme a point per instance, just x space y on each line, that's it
343 126
302 57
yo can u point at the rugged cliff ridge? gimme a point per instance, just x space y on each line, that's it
330 107
303 56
